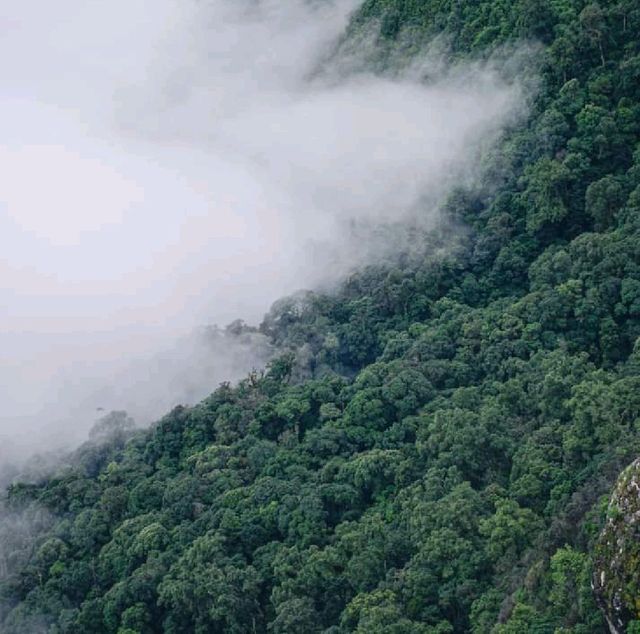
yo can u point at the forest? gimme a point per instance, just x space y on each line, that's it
434 447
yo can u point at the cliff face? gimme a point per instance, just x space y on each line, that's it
617 556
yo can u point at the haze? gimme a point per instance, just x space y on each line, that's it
171 164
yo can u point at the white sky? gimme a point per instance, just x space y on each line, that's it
167 164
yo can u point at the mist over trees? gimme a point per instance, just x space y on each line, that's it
432 446
180 167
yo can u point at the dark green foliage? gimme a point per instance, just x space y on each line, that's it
429 452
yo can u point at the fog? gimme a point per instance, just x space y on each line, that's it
179 163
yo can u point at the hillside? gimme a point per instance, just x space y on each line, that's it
435 446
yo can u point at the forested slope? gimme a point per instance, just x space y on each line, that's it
434 449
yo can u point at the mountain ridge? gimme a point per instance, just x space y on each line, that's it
433 449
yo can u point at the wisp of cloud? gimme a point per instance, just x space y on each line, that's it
181 163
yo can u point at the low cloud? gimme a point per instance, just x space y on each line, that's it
188 163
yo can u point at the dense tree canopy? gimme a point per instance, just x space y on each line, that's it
430 452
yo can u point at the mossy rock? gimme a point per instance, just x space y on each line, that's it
616 579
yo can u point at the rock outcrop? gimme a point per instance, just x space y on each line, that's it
616 579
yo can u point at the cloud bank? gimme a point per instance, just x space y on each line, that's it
182 163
